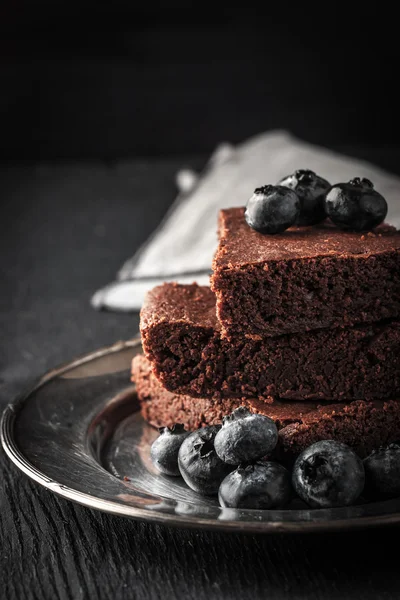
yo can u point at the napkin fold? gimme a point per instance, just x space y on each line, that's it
182 247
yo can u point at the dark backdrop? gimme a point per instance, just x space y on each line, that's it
85 80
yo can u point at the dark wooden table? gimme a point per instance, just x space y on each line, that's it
64 231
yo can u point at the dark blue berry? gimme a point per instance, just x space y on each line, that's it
311 190
164 450
328 474
199 464
355 205
245 437
382 472
261 485
272 209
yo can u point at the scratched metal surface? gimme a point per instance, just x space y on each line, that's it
79 433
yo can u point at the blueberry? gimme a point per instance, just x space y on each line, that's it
272 209
164 450
328 474
355 205
382 472
260 485
199 464
245 437
311 190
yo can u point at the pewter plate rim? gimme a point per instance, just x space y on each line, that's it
380 513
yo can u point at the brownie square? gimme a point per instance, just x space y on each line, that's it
303 279
363 425
181 337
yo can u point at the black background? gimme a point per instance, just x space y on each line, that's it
85 80
99 107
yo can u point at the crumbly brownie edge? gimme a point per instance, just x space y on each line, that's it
162 408
305 278
361 424
301 295
327 365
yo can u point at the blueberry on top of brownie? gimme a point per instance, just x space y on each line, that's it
355 205
311 190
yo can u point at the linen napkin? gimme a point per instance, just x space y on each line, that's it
182 247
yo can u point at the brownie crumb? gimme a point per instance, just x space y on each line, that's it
181 338
363 425
263 282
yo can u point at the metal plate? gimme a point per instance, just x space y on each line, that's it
79 433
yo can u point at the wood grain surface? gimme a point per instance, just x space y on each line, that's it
64 231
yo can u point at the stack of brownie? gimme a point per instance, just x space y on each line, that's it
302 326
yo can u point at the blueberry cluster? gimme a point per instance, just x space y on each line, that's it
231 461
304 198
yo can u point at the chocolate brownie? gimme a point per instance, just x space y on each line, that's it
305 278
181 337
364 425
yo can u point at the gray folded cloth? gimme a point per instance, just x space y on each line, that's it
182 247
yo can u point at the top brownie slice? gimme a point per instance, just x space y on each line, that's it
305 278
